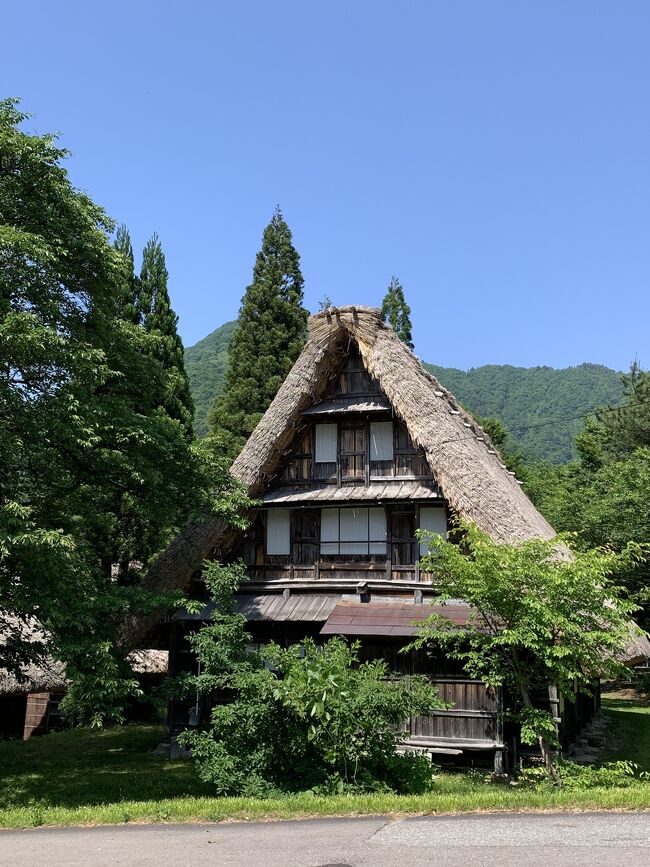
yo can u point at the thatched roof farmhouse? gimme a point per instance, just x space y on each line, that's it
360 447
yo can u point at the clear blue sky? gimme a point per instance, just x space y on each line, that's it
493 155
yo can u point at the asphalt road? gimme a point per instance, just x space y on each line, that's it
495 840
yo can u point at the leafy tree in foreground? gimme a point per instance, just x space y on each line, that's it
300 717
271 330
91 473
604 498
396 312
543 618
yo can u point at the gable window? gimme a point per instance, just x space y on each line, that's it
403 544
381 440
353 531
325 451
353 452
278 534
434 520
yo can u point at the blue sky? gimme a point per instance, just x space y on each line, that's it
495 156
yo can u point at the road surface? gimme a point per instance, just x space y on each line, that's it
462 841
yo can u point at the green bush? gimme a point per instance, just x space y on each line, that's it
642 682
299 718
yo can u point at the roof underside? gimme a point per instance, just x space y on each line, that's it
375 404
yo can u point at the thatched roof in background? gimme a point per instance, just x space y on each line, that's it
47 674
466 466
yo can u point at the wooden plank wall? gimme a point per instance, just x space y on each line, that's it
474 715
36 713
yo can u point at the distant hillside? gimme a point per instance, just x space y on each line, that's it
206 363
519 396
525 397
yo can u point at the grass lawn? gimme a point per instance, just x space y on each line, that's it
97 777
631 728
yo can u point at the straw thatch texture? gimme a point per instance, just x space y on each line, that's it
49 675
474 482
46 677
467 468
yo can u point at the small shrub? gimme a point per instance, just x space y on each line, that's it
574 776
642 683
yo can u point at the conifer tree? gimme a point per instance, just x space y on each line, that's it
159 319
128 298
271 330
396 312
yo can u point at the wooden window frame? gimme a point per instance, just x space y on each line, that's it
367 541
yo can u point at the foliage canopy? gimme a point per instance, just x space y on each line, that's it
93 475
545 616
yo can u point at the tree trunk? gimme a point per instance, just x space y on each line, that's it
547 753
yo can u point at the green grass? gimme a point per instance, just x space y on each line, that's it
632 730
106 777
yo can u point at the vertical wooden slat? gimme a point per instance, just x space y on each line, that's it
36 713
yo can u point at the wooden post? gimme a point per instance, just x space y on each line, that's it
389 542
36 713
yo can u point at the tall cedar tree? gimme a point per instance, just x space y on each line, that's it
160 320
397 313
271 331
91 472
128 298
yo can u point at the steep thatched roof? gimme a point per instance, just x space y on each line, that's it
48 676
472 478
466 466
41 675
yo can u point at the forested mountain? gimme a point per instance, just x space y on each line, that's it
519 396
205 363
524 398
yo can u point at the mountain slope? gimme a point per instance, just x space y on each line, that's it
523 398
206 363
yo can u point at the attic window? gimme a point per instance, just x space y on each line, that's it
381 441
353 531
278 541
326 435
433 520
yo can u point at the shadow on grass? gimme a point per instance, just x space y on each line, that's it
86 767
